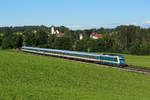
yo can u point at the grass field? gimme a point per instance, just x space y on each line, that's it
138 61
32 77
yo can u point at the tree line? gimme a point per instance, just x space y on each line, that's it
122 39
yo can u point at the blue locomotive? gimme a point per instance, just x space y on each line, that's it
114 60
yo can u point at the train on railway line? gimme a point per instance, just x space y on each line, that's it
109 59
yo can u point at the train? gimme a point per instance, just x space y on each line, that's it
109 59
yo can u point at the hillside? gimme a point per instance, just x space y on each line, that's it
32 77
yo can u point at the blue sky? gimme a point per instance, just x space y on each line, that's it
75 14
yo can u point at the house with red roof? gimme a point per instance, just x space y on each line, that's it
59 34
56 32
96 36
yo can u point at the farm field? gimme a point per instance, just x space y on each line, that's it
32 77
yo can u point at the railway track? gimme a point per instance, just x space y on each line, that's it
127 68
138 70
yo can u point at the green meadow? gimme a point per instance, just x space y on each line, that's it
138 61
32 77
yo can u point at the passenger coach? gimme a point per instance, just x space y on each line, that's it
114 60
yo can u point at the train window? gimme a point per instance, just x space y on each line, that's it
121 58
122 61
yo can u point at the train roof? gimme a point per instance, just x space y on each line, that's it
72 52
65 51
113 55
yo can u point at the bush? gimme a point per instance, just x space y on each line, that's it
81 45
0 40
140 48
12 41
64 43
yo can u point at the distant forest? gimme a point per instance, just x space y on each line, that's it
128 39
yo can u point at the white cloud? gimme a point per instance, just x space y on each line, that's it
135 23
90 26
113 25
81 26
75 26
147 22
